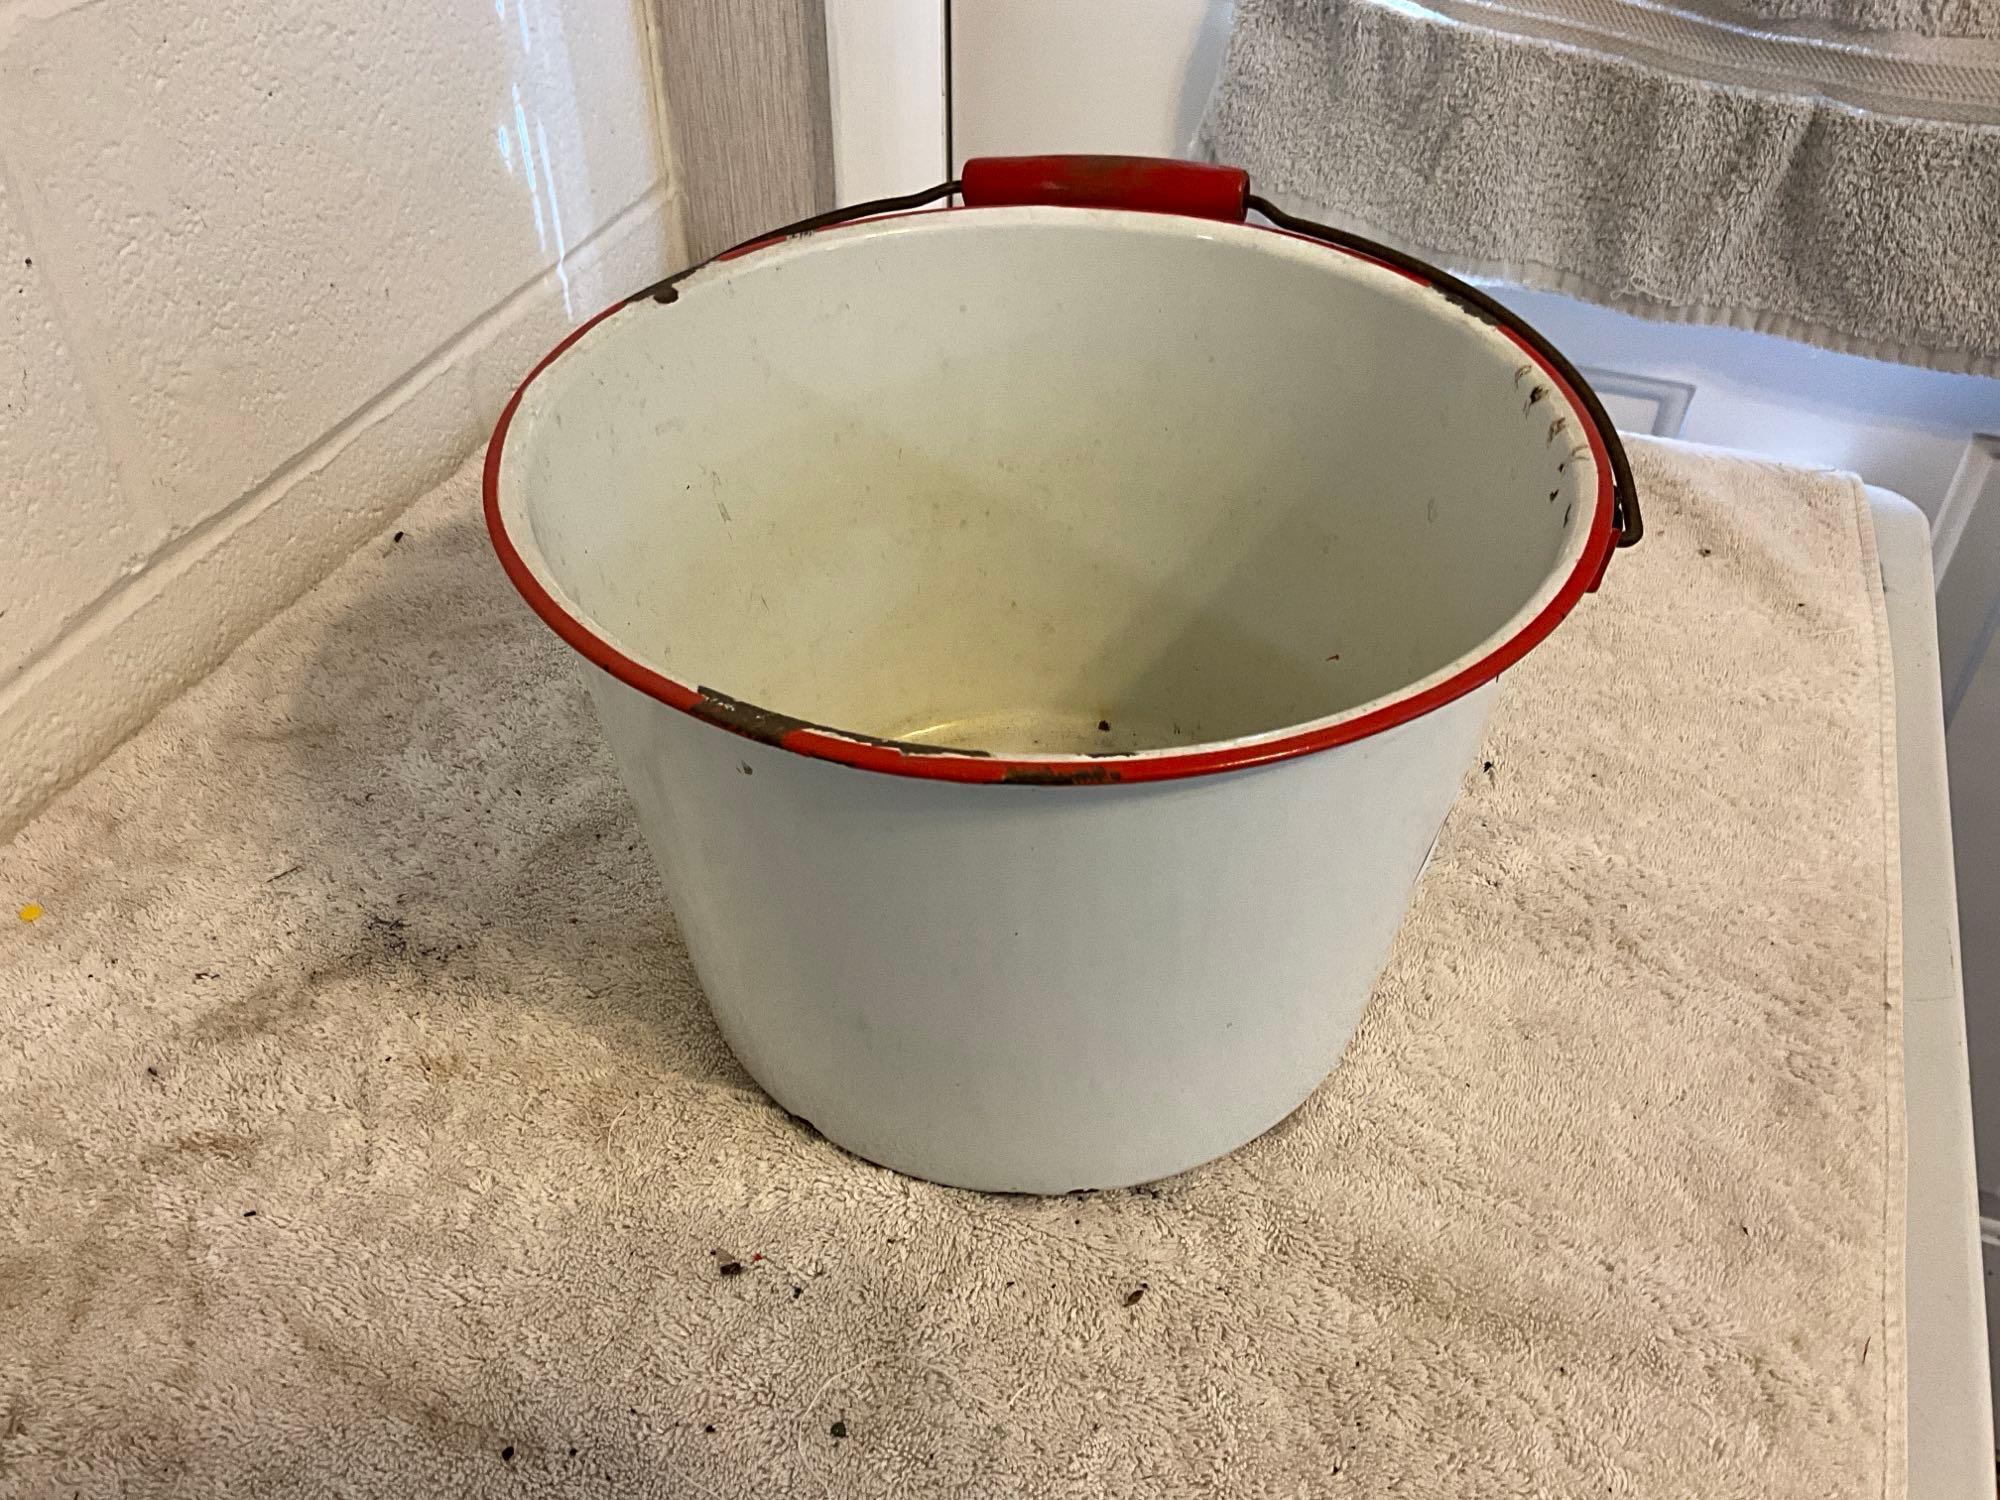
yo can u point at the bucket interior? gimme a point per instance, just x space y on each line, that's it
1049 481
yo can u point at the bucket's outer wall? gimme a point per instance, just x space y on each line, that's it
1037 989
1092 595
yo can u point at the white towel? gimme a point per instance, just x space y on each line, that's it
1785 165
363 1132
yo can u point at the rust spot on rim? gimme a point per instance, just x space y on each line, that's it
746 719
768 726
1466 304
1059 776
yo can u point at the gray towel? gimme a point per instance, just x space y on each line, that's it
1828 177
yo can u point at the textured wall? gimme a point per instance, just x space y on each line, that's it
267 271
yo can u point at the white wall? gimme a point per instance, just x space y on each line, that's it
1124 76
267 270
885 75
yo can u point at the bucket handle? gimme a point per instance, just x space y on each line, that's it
1150 184
1206 191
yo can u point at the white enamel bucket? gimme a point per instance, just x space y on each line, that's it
1044 637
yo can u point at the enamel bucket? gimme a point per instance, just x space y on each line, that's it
1044 636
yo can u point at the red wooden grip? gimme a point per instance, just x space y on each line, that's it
1151 183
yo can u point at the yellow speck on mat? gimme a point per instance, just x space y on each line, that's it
31 911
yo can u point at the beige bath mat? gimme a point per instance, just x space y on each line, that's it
362 1131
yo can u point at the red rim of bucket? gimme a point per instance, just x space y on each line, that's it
896 758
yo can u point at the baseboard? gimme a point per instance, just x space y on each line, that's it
194 603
